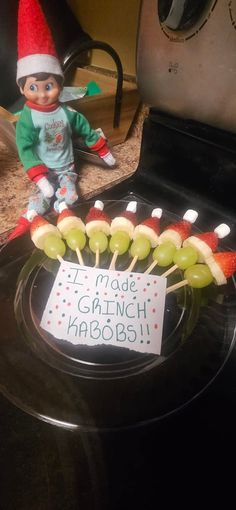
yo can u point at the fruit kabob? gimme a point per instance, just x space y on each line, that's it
198 248
47 237
97 226
122 230
217 269
170 240
145 237
72 229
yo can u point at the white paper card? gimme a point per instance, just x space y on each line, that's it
97 306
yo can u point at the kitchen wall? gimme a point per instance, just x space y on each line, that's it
114 22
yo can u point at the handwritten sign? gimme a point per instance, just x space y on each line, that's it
97 306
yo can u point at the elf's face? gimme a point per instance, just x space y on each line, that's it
43 92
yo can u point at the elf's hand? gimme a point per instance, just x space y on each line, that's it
45 187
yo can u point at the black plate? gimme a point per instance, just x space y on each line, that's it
105 387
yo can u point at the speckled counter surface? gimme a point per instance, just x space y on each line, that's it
15 186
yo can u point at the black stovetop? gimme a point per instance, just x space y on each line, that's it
182 165
185 164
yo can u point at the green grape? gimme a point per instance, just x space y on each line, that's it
98 241
76 239
185 257
54 246
140 247
198 276
164 254
119 242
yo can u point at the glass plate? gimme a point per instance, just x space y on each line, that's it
106 387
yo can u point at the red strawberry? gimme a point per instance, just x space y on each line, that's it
66 213
38 222
210 238
130 216
183 228
96 214
227 262
207 242
178 232
153 223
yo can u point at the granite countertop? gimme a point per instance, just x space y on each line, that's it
15 186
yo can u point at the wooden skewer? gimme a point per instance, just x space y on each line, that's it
132 264
113 260
80 258
60 259
151 267
176 286
97 258
169 271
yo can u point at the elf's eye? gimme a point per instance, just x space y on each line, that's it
33 87
49 86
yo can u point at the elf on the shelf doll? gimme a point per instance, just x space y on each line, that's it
45 127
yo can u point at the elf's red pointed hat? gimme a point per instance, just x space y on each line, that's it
36 49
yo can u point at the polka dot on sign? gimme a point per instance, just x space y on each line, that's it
155 326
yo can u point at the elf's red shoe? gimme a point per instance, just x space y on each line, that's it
23 226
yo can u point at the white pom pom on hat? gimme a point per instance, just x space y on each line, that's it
222 230
132 207
99 205
190 216
156 213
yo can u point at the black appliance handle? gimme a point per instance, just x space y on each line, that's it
99 45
